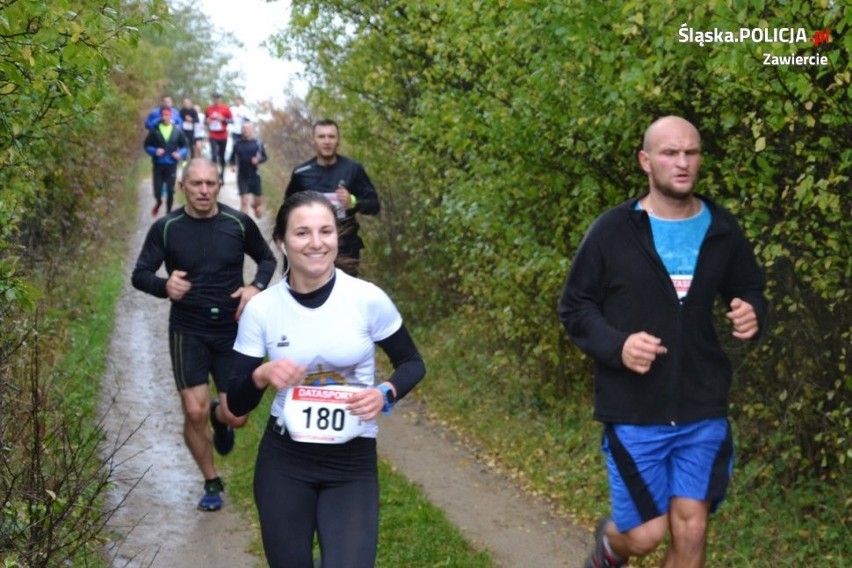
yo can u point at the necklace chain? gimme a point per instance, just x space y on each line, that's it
650 208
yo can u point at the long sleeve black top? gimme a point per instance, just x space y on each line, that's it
325 179
244 151
212 252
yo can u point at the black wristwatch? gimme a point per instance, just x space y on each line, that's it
259 285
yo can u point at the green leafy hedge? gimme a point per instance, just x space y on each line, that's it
499 130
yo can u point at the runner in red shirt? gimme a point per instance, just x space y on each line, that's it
218 116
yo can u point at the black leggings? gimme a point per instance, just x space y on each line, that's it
328 489
164 175
217 153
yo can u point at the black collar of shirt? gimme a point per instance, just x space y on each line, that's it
315 298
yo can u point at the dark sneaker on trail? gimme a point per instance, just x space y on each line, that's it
223 434
212 499
602 556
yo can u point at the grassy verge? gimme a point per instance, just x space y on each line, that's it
52 473
412 532
550 445
86 296
91 327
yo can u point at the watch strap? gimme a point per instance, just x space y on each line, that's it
387 394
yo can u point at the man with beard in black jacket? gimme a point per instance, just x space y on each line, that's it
345 184
639 299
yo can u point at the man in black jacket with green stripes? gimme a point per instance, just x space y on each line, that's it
203 246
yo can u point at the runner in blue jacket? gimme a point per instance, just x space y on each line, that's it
167 147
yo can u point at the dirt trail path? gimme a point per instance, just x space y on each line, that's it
159 521
518 530
158 525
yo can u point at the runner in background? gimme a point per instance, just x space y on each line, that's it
153 118
189 116
241 114
167 146
202 150
249 153
344 181
218 117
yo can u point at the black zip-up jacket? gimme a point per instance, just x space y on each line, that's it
618 285
312 176
212 252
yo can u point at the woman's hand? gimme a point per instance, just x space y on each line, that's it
366 403
280 373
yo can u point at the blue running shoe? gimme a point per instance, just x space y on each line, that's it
223 434
212 499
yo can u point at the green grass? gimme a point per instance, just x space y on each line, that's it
86 298
412 532
90 331
54 382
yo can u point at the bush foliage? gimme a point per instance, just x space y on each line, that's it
496 131
500 130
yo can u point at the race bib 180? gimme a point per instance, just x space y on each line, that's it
319 415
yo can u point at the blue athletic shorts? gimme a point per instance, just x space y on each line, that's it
650 464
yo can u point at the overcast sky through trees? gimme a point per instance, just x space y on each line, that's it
251 22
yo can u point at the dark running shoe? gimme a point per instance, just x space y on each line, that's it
602 556
212 499
155 210
223 434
